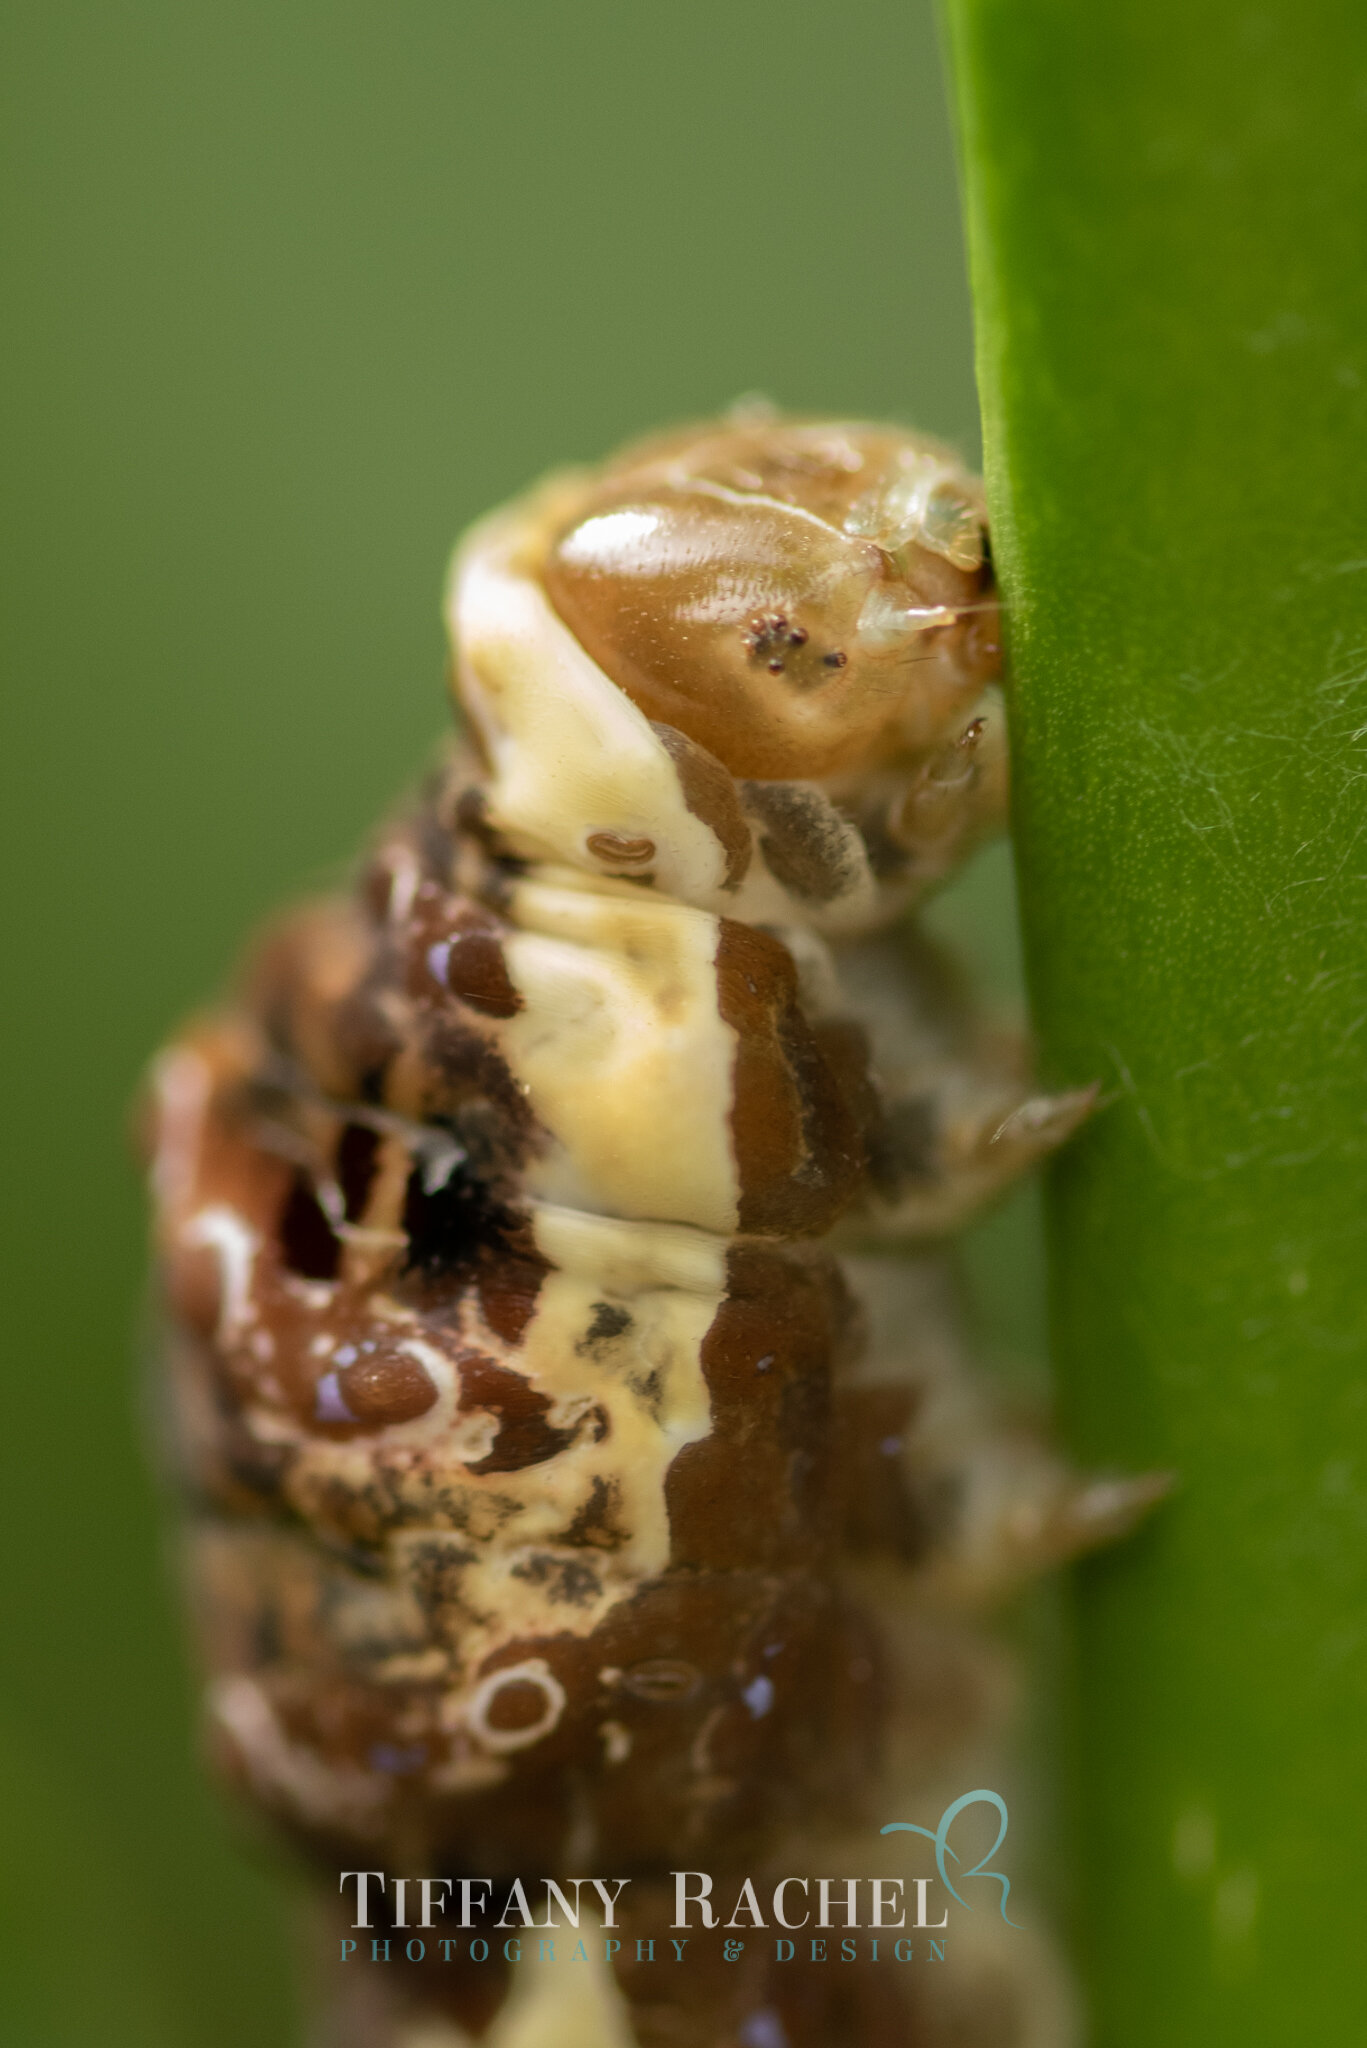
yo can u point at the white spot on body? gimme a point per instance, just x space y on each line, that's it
534 1673
228 1234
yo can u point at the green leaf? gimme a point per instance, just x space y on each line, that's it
78 1946
1167 207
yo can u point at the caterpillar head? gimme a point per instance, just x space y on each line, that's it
762 605
801 599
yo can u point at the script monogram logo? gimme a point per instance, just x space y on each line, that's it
940 1837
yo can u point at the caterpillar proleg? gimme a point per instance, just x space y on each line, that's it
582 1473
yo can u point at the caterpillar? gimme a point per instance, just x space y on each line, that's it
581 1468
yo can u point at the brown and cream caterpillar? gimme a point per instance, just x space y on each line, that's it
582 1471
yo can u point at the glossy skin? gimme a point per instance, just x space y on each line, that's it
802 600
560 1496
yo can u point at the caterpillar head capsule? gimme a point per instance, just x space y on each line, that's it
753 655
798 599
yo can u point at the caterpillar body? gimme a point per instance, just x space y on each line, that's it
581 1470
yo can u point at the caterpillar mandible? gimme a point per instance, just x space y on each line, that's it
581 1471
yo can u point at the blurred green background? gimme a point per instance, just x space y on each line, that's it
295 291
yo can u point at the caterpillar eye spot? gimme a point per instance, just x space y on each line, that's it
516 1707
619 849
665 1681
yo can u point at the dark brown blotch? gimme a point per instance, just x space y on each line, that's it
524 1436
757 1490
709 791
357 1154
309 1246
799 1150
607 1320
879 1509
477 973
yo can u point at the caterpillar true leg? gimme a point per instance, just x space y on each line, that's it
569 1490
